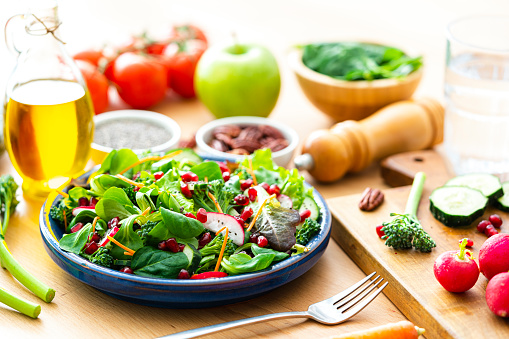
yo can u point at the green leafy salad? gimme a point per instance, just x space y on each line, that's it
177 216
359 61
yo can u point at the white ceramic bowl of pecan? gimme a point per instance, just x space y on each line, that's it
235 137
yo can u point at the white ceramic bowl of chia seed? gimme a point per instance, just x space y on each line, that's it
138 130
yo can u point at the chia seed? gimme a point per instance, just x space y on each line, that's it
130 133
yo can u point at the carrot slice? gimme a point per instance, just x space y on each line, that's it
211 196
128 253
120 245
151 158
145 212
255 182
65 195
400 330
259 212
93 223
222 247
129 181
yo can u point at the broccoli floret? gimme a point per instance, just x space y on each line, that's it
405 231
102 257
131 194
60 213
224 196
214 247
146 228
307 231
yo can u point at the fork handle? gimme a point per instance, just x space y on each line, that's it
233 324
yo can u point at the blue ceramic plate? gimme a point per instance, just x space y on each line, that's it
175 293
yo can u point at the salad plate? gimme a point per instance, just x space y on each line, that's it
181 293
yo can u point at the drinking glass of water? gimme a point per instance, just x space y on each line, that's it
476 135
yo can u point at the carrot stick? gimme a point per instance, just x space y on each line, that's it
400 330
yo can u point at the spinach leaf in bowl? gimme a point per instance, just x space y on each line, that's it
358 61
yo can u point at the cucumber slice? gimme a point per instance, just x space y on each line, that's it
488 184
194 257
457 205
310 204
502 203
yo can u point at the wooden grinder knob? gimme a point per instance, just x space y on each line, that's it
350 146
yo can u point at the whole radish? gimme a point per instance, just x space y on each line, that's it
497 294
494 255
456 271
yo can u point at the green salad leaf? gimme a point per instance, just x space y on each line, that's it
180 225
150 262
74 242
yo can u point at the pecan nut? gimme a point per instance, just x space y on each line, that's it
371 198
232 131
269 131
249 145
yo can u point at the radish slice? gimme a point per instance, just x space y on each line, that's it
285 201
77 210
208 275
216 221
111 233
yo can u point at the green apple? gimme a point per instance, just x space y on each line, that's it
238 80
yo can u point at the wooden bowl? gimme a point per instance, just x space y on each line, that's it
350 100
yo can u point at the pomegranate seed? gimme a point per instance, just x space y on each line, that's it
189 176
136 189
204 240
304 215
246 213
241 200
252 193
253 238
172 245
83 201
379 231
126 269
190 215
201 215
96 237
262 241
93 201
76 227
482 225
136 176
113 222
490 230
274 189
265 186
470 242
496 220
158 175
244 185
91 247
223 167
183 274
186 191
239 219
181 247
162 245
226 176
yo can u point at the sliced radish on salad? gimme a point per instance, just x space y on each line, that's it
77 210
208 275
285 201
216 221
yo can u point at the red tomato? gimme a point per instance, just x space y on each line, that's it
180 59
97 85
141 81
157 48
91 55
187 32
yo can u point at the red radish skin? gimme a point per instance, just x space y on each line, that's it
497 294
456 271
494 255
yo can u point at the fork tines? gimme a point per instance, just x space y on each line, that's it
355 298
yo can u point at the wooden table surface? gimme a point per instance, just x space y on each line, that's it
79 311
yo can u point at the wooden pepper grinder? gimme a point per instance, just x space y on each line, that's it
350 146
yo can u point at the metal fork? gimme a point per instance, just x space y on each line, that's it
335 310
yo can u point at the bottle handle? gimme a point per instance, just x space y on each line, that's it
9 40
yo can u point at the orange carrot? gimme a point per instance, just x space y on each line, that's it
400 330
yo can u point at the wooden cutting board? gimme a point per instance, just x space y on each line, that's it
412 284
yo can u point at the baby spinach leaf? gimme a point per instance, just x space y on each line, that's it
242 263
173 188
74 242
180 225
84 216
103 182
77 192
278 225
209 170
161 232
150 262
119 195
144 201
167 201
127 237
121 160
261 250
108 208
